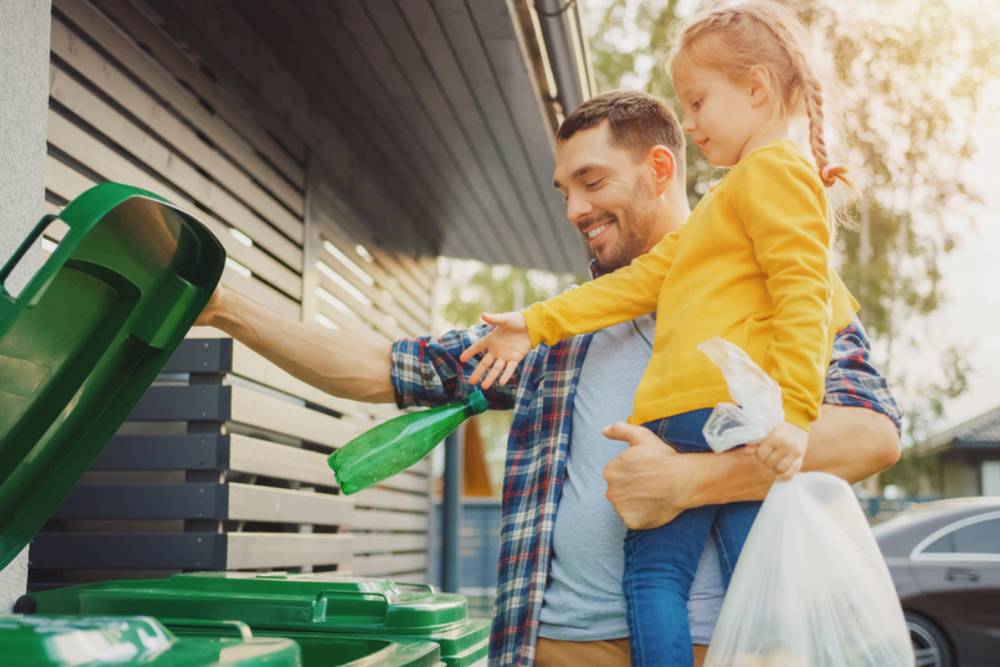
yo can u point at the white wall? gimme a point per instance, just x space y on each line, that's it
24 85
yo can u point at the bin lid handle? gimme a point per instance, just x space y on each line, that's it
227 628
323 597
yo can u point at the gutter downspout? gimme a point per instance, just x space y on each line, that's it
567 51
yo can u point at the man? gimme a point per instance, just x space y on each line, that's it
619 165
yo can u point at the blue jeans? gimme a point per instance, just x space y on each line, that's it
660 563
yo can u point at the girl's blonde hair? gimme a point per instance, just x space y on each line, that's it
735 39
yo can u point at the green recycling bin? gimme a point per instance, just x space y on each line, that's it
43 641
84 339
300 606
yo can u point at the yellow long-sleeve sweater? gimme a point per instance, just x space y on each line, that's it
751 265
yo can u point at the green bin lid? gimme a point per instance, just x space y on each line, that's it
86 337
49 641
280 603
319 649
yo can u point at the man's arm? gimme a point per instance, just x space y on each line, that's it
343 364
649 484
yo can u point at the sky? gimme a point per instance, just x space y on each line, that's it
971 273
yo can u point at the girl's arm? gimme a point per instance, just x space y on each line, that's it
782 203
613 298
621 296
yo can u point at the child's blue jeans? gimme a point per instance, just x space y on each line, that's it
660 563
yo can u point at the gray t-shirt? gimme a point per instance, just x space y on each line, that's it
583 599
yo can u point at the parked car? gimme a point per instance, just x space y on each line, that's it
944 557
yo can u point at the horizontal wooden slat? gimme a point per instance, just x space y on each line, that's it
112 39
184 451
383 542
272 414
260 457
190 551
367 566
221 502
414 479
380 520
145 501
261 503
389 499
264 550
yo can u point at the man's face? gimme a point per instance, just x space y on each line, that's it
610 196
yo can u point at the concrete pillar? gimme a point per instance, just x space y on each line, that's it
24 89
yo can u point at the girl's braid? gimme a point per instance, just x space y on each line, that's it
812 91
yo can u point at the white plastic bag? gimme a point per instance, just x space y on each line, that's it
811 588
758 396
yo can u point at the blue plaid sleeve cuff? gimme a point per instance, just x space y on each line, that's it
426 371
852 380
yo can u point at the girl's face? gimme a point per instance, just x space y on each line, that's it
721 115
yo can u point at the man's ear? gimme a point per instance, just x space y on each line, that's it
664 166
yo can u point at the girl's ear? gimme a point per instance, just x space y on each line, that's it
759 85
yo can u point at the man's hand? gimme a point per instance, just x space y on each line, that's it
649 483
504 347
782 450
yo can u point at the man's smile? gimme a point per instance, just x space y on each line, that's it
596 231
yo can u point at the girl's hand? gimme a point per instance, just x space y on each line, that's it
782 450
504 347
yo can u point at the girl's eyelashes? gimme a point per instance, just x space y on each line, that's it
696 104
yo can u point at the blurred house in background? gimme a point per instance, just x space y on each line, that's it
965 460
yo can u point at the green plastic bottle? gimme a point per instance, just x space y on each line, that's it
397 444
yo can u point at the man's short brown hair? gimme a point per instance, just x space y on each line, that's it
638 122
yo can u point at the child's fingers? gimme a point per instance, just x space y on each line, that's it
473 349
494 373
788 467
764 451
484 365
772 459
508 372
750 449
785 467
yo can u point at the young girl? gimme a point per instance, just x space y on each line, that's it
751 265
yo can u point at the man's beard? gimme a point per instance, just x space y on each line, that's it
634 228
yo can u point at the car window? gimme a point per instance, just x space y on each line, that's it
978 538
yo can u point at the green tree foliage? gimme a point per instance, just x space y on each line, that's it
911 78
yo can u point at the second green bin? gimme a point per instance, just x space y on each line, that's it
299 606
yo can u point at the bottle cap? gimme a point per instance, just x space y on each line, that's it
477 402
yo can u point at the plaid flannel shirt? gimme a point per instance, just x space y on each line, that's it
426 371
